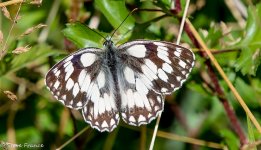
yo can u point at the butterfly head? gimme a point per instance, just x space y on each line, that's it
108 42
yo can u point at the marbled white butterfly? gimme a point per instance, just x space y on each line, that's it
127 81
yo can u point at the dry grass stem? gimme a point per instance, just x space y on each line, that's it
11 2
32 29
36 2
224 76
1 37
20 50
74 137
6 13
11 95
189 140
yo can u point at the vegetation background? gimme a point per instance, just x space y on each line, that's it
203 114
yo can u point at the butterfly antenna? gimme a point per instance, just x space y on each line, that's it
95 31
135 9
99 34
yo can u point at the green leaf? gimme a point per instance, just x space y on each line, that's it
230 139
115 11
247 92
82 36
251 132
250 56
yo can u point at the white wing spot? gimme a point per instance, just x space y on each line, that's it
159 43
55 70
129 75
163 57
66 64
101 79
166 67
138 100
79 104
123 115
68 59
69 70
57 73
141 87
76 89
61 101
101 105
104 124
71 102
148 72
163 49
81 77
138 51
162 75
159 99
182 64
151 65
157 108
149 115
56 84
130 98
112 122
172 85
69 84
132 119
141 118
85 84
87 59
164 90
176 53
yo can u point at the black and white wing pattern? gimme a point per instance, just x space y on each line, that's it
80 81
128 81
150 69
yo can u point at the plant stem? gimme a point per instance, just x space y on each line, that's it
229 110
230 113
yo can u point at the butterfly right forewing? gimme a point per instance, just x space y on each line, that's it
71 80
163 66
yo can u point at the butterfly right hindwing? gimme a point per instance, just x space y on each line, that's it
139 103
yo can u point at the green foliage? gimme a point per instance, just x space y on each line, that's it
194 110
250 56
115 12
82 36
230 139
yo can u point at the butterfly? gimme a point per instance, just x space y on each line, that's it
126 82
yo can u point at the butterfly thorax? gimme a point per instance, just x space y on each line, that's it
111 61
110 54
